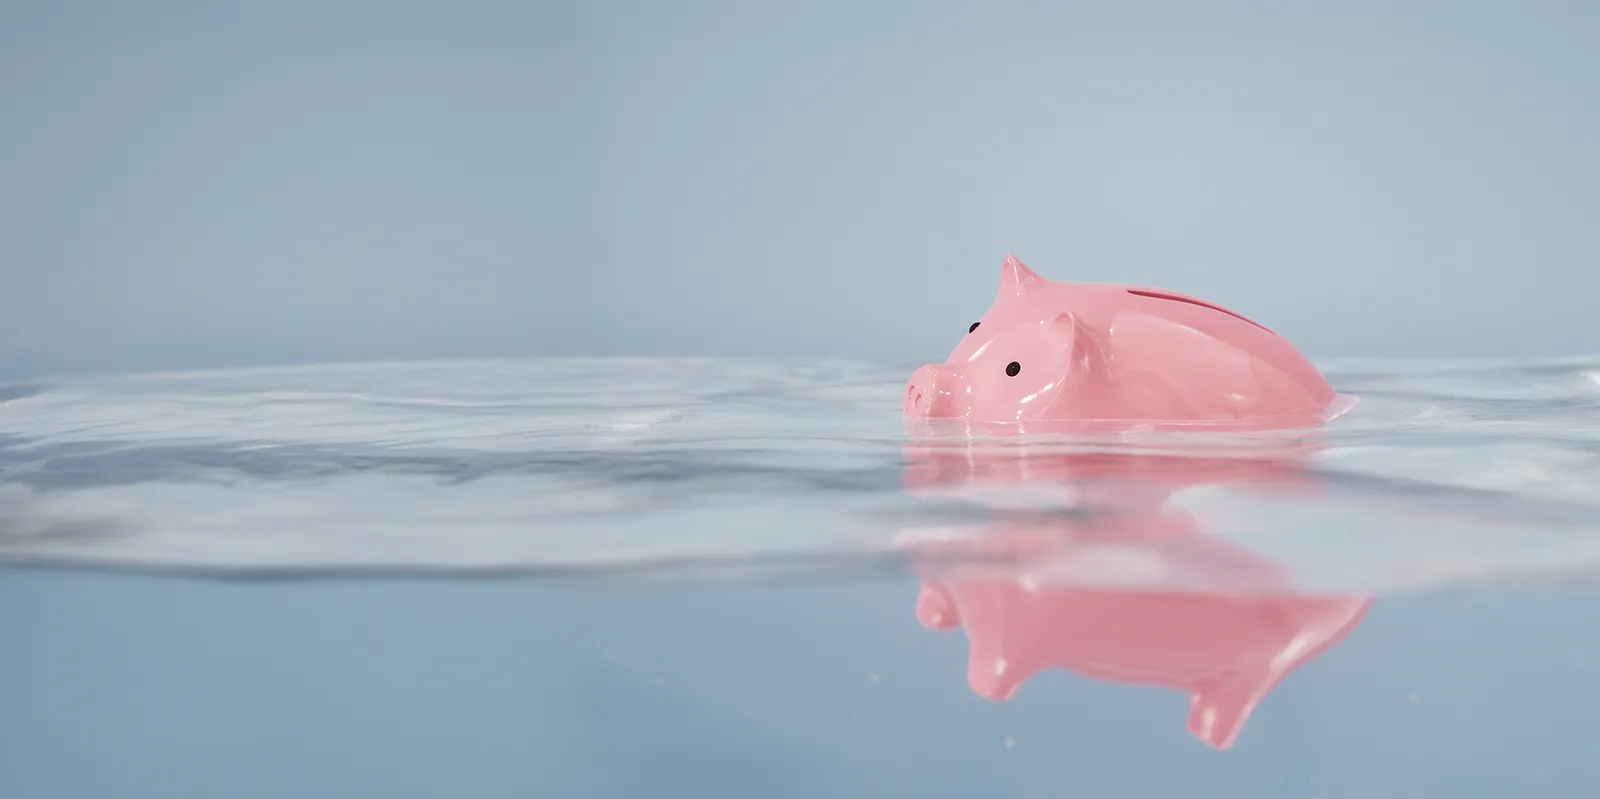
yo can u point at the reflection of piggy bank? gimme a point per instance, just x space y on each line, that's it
1225 651
1117 356
1127 588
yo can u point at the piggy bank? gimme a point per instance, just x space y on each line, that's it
1113 355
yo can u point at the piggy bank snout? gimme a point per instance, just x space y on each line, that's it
930 393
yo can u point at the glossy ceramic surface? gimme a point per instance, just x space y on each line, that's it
1118 355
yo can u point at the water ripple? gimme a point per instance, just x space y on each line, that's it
1448 472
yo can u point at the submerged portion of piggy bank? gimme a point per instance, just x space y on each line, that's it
1119 355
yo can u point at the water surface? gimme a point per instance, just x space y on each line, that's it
1445 472
717 578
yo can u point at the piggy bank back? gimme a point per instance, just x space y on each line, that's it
1119 356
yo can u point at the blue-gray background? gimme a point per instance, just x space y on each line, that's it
203 183
190 184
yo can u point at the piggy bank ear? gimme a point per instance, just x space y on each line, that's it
1066 325
1015 277
1088 346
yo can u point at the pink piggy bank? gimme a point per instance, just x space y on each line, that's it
1110 355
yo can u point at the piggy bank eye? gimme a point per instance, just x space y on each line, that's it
974 327
1013 368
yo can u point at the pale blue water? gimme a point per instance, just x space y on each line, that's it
692 578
